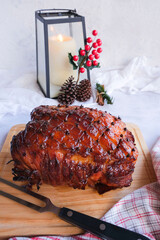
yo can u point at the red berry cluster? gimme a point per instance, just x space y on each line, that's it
90 58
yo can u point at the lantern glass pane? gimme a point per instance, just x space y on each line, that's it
63 38
41 55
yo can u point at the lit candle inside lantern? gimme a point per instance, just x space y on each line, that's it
60 68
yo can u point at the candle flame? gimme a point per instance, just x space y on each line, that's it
60 38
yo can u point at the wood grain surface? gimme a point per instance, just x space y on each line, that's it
18 220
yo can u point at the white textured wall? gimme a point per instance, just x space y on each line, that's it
128 28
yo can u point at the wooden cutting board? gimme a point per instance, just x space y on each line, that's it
18 220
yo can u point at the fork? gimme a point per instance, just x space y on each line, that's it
101 229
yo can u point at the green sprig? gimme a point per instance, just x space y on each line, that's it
100 89
81 61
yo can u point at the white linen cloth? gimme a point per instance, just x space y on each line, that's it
136 76
23 93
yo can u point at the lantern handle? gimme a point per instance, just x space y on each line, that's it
56 9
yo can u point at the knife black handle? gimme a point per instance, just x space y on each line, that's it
98 227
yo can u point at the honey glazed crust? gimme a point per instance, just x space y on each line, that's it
76 146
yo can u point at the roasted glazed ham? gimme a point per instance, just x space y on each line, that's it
75 146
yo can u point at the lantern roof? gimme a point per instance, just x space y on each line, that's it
53 16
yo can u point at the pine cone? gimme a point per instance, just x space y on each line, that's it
67 92
83 90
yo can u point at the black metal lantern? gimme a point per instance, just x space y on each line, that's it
58 32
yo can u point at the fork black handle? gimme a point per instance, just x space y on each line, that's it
98 227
